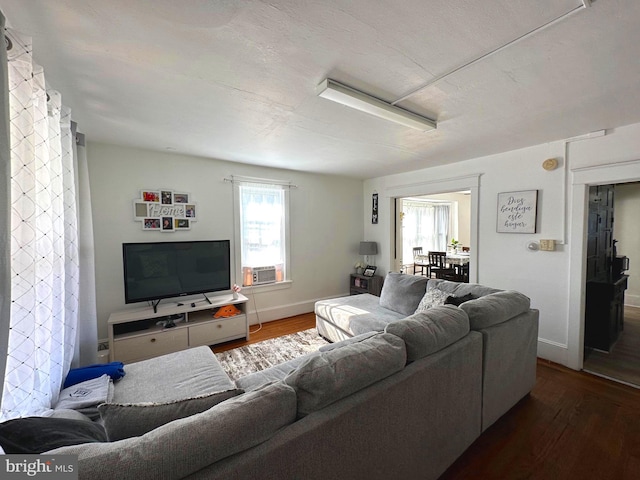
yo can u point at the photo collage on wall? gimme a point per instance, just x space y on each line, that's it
164 210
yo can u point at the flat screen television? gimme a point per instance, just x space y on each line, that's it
157 270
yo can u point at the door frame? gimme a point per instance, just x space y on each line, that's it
434 187
582 179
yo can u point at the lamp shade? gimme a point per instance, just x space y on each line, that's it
368 248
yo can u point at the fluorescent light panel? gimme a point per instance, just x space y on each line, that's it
350 97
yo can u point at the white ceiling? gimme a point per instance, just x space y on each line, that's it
235 80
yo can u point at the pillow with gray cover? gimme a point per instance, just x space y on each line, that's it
402 293
335 374
430 331
495 308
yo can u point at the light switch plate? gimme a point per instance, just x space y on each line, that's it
548 245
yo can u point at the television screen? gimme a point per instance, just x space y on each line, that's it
156 270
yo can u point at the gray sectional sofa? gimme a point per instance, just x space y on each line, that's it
402 399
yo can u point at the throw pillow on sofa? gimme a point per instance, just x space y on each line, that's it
31 435
402 293
457 301
432 298
135 419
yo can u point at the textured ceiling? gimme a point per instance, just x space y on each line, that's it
235 80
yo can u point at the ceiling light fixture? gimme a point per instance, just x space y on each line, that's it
350 97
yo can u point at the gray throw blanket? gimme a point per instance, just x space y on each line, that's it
85 394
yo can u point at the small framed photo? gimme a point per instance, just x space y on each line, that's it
166 197
167 224
181 223
190 211
369 271
151 224
150 196
140 210
180 198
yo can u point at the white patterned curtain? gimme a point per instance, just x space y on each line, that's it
424 224
44 246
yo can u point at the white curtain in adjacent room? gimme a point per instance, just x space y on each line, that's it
424 224
44 240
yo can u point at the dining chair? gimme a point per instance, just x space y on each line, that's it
420 262
438 265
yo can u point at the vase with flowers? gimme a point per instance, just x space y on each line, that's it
359 266
235 290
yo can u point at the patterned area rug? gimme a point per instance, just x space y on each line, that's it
255 357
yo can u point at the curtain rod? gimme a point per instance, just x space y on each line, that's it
269 181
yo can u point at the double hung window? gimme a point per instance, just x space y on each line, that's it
263 211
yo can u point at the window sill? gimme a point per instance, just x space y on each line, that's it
268 287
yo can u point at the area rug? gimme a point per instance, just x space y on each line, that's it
252 358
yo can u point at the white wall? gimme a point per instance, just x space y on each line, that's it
326 225
626 229
503 261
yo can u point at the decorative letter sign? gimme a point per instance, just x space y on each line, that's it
517 212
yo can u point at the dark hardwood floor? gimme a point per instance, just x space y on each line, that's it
274 329
572 425
623 362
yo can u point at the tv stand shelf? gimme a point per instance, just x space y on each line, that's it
134 334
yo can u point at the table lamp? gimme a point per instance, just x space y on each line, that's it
368 248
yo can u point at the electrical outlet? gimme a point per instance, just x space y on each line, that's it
548 245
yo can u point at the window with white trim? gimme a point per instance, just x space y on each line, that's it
263 214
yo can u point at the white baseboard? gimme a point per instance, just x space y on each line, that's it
281 311
270 314
632 300
553 351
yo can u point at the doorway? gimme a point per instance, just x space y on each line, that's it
615 353
430 222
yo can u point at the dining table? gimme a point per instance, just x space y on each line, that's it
459 259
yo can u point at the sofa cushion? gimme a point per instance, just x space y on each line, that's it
333 375
271 374
356 314
185 446
31 435
430 331
348 341
495 308
124 420
402 293
460 289
170 377
432 297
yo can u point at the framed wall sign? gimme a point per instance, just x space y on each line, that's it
517 212
374 208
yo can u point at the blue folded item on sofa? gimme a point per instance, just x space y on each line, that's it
76 375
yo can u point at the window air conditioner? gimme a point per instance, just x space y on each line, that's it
262 275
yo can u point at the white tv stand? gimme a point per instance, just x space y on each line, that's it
134 335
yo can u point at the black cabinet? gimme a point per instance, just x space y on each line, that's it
604 313
361 284
604 306
600 233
